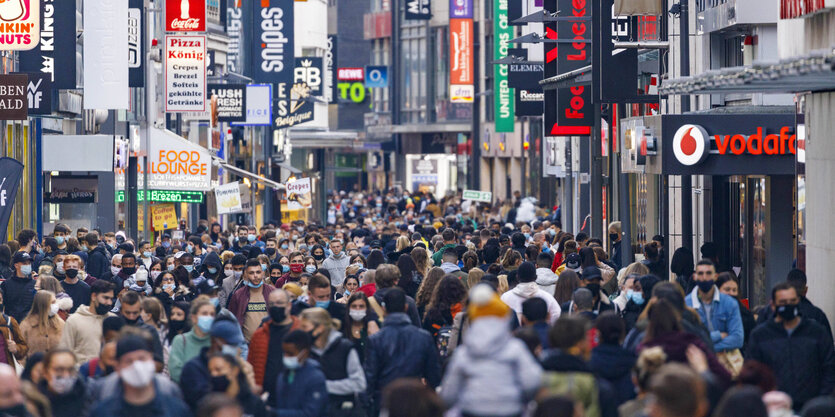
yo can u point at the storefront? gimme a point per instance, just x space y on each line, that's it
746 203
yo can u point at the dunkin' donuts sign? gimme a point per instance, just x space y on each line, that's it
20 26
185 15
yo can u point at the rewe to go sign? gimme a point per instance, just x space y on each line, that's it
475 195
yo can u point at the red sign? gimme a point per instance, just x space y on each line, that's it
691 143
574 114
460 51
185 15
350 74
790 9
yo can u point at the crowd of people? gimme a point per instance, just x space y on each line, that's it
400 305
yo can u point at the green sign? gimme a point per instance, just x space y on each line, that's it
475 195
164 196
503 98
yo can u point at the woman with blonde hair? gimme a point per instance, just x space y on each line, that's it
42 328
511 260
421 258
402 244
50 283
337 355
473 277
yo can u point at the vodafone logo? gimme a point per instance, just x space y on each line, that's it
691 144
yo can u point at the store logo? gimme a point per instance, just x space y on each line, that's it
185 15
20 23
691 144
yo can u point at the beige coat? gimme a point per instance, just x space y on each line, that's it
38 340
82 333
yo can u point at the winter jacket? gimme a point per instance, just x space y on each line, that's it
803 361
82 333
98 263
689 322
400 350
79 292
515 297
111 385
725 318
490 350
336 267
163 404
807 311
437 257
18 294
227 287
568 375
195 380
352 381
412 311
240 300
614 364
631 312
616 254
72 404
260 349
675 346
184 347
9 329
39 340
306 395
546 280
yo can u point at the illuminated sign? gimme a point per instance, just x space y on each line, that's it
351 91
165 196
350 74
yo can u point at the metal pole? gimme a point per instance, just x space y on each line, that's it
596 185
625 209
568 193
475 135
686 180
148 122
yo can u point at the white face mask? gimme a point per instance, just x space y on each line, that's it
228 272
357 315
59 267
139 374
53 309
64 384
114 270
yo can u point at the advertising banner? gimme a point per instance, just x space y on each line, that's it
185 15
574 114
271 49
299 194
418 10
376 76
259 105
294 105
308 70
21 25
460 9
136 25
331 91
228 198
39 94
10 172
185 73
105 65
503 94
461 60
524 78
231 101
234 25
177 164
164 216
13 104
56 48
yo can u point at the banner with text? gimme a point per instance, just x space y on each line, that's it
228 198
185 15
231 101
271 49
418 10
13 104
461 60
185 73
299 194
56 49
503 94
21 24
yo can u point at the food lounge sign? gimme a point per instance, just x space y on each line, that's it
728 144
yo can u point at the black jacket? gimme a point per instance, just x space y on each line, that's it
400 350
614 364
807 310
72 404
98 263
18 294
412 312
803 362
556 360
616 254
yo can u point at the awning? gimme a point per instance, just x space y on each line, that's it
322 139
251 176
814 72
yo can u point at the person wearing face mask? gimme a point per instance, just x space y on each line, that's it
265 346
229 379
301 387
359 322
187 346
592 280
14 345
83 330
211 273
294 270
20 289
97 263
42 328
233 278
112 275
61 385
77 289
317 252
135 389
248 303
719 312
336 263
101 366
284 247
131 309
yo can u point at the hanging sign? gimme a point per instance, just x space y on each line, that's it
308 70
461 73
503 101
13 101
177 164
234 51
299 194
376 76
259 105
573 111
294 105
231 101
418 10
136 24
185 15
105 63
21 25
10 172
185 73
228 198
271 49
330 70
56 48
39 93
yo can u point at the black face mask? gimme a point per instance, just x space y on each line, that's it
787 312
594 288
614 236
278 314
71 273
319 257
705 286
129 271
102 309
131 322
176 325
220 383
269 252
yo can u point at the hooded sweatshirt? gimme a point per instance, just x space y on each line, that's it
546 279
82 333
336 267
515 297
490 350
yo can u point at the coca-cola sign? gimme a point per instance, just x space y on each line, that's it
185 15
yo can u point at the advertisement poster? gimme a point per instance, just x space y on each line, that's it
105 66
418 10
503 33
56 48
231 101
299 194
21 25
461 60
294 105
163 216
185 73
185 15
228 198
308 70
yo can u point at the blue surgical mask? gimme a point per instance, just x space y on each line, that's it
323 304
264 267
166 244
552 232
284 246
26 269
285 268
527 235
59 239
636 297
291 362
310 268
189 268
251 285
205 323
146 254
190 249
212 270
250 238
168 287
170 267
215 301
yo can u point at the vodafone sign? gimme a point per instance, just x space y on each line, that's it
728 144
185 15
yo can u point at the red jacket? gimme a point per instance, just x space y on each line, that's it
557 262
259 348
240 299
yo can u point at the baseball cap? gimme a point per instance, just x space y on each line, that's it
228 331
21 257
375 244
591 272
573 262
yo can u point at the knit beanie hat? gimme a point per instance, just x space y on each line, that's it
484 302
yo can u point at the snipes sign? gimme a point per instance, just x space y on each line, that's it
728 144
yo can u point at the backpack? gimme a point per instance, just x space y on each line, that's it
442 341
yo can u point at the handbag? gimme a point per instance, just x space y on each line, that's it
732 361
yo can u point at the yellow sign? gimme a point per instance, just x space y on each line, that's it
163 216
289 216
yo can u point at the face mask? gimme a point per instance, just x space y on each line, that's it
264 268
176 325
269 252
787 312
129 271
59 267
170 268
310 268
146 254
296 268
527 235
251 285
636 297
114 270
166 245
229 350
285 246
705 286
250 238
220 383
357 315
168 287
59 239
215 301
319 257
323 304
71 273
84 248
190 249
139 374
613 236
103 309
63 385
285 268
291 362
277 314
204 323
212 271
594 288
552 232
189 268
53 309
155 274
237 274
26 269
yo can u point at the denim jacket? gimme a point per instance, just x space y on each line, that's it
725 319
